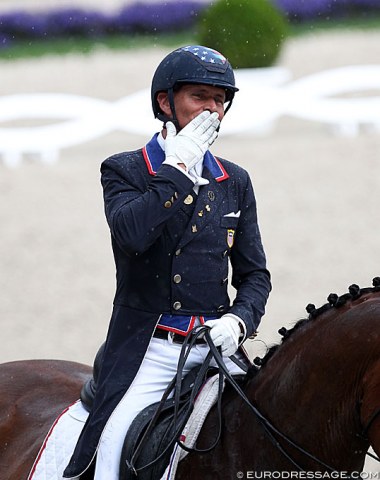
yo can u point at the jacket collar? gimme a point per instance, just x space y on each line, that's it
154 156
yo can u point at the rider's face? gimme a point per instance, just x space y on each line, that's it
191 100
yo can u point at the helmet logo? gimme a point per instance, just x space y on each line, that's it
205 54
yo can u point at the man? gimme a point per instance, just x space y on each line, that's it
177 216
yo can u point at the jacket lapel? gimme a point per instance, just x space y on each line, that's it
209 200
210 196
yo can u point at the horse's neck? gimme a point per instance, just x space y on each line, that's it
312 387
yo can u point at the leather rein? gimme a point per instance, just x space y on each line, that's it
224 375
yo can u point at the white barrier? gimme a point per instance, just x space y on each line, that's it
265 95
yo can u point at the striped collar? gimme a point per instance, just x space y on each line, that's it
154 156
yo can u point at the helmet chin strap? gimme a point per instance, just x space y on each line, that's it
228 107
172 108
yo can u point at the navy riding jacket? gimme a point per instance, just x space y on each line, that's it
171 262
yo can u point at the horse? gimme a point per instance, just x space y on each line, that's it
311 404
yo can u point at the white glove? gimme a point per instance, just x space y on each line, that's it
225 332
191 143
198 181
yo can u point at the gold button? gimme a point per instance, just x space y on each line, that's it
188 200
167 204
178 252
177 305
177 278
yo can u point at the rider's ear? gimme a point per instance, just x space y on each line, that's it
164 104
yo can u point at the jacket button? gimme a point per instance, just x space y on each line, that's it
220 308
177 278
178 252
177 305
168 204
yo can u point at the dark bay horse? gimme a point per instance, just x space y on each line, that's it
319 389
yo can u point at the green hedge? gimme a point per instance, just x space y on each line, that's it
249 33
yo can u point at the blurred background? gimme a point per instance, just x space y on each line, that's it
306 126
74 89
316 178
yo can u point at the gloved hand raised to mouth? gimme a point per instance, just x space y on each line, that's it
188 147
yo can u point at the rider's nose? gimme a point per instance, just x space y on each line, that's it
211 106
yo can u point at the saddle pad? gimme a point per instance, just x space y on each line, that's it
207 397
59 444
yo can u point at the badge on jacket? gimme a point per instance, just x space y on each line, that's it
230 237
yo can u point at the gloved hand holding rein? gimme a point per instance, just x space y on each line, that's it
227 332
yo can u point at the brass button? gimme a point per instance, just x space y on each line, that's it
177 278
220 308
178 252
188 200
177 305
168 204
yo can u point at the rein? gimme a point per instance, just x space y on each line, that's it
269 428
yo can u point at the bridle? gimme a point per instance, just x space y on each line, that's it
271 431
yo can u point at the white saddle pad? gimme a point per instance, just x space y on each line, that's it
207 397
59 444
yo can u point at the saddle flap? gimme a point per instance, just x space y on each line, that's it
155 454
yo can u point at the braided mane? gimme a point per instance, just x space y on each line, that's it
334 301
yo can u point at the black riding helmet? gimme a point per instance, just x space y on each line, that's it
191 64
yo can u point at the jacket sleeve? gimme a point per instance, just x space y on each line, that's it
136 213
250 276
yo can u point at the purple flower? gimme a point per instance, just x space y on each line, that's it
75 21
20 24
311 9
138 17
5 41
157 17
151 18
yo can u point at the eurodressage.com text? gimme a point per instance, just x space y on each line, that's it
308 475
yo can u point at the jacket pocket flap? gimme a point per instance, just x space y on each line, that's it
229 222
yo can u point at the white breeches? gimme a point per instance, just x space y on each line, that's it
155 373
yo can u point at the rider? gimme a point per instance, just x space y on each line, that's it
178 216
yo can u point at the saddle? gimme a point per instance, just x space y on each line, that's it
88 391
146 454
153 456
